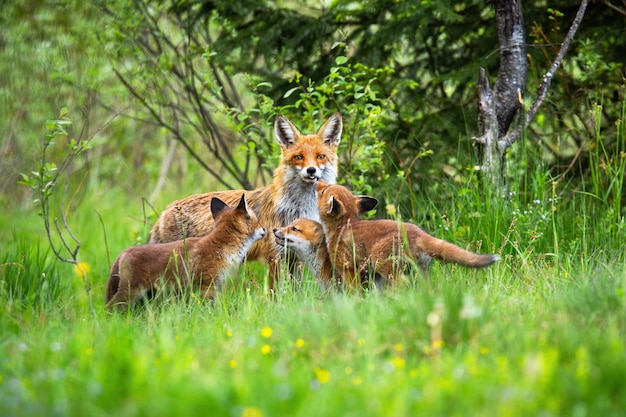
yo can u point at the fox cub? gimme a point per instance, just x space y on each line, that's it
304 239
378 247
202 262
305 159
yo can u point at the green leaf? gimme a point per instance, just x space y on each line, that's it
340 60
290 92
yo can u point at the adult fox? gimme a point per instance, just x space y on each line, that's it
196 261
379 248
305 160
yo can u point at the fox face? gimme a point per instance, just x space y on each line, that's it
240 222
302 236
309 158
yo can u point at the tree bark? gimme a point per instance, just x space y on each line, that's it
488 128
513 71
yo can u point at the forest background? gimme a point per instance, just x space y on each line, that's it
159 100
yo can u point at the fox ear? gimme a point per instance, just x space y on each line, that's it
331 130
243 206
366 204
217 206
286 132
334 205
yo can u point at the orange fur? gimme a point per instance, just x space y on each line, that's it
304 239
203 262
305 159
379 248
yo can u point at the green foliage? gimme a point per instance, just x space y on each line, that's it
53 57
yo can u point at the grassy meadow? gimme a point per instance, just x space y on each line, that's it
543 332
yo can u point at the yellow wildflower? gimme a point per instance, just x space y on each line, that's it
266 332
398 362
82 268
251 412
322 375
438 344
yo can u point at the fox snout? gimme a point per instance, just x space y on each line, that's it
279 235
310 174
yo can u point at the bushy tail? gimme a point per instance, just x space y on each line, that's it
114 280
448 252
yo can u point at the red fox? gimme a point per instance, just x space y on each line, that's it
305 239
379 248
198 261
305 159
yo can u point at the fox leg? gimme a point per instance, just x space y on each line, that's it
207 289
274 274
125 296
351 279
128 289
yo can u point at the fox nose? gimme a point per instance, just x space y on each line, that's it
311 170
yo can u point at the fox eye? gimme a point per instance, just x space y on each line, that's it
298 157
321 156
294 229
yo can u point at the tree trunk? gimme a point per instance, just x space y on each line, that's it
489 157
497 107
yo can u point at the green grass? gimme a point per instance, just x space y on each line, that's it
548 340
536 334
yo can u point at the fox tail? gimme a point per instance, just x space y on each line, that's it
449 252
